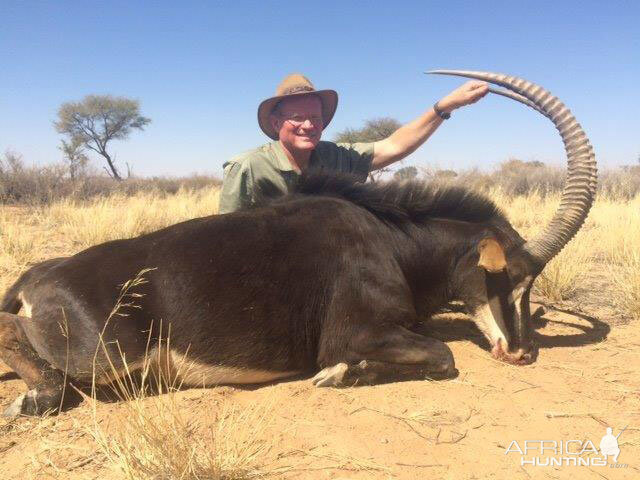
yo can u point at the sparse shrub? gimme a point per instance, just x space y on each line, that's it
516 177
622 183
32 185
473 178
12 162
43 185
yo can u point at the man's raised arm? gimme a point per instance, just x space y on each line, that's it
410 136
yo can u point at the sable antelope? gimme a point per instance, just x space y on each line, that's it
329 278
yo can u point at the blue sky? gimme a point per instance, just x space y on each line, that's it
200 69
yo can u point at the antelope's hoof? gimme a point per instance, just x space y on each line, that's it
331 376
32 404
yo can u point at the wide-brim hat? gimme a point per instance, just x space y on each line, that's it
294 85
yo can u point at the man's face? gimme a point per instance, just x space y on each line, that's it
298 122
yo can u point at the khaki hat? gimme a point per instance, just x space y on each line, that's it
293 85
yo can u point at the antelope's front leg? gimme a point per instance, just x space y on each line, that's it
380 354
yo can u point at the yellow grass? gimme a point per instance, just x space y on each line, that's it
619 246
16 248
124 217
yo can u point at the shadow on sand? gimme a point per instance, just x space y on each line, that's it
462 328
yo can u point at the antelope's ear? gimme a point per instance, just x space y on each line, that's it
492 257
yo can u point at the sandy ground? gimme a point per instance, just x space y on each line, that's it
585 379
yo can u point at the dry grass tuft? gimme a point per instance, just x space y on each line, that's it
626 282
17 249
152 438
562 276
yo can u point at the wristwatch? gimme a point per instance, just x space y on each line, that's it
440 113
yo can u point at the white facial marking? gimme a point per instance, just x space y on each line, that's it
493 329
487 324
517 296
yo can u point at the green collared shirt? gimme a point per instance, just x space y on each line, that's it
242 173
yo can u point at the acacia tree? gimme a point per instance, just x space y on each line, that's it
374 130
96 120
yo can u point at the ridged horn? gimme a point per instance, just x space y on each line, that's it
518 98
582 177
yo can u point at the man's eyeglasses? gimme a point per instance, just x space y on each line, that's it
296 119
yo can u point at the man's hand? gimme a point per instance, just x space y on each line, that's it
467 94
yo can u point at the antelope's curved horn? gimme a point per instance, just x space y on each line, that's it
580 187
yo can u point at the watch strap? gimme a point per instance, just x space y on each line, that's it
440 113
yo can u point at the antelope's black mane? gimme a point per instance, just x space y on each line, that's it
396 202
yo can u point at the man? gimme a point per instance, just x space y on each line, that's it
295 118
